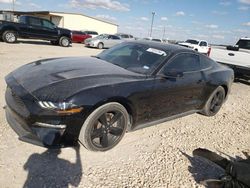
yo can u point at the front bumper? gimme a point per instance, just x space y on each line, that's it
89 44
36 125
38 135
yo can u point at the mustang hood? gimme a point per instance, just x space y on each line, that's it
67 76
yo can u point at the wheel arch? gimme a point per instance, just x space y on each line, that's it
64 35
124 102
9 28
100 43
225 88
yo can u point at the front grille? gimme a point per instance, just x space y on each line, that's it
16 103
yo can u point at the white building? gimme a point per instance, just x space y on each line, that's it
72 21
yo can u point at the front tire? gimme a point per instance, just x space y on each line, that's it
214 102
100 45
9 36
64 41
105 127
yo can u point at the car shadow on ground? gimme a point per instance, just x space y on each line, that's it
202 169
38 42
34 42
47 170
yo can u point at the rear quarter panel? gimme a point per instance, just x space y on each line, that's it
219 75
5 25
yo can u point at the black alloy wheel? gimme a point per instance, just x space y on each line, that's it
108 129
215 102
105 127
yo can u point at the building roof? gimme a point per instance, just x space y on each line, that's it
53 13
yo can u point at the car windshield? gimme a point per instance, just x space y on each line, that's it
192 41
101 37
245 44
139 58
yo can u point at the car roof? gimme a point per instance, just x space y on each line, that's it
245 38
163 46
198 40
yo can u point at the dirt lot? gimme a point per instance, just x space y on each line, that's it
158 156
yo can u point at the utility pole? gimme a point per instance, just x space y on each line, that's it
153 15
164 30
13 5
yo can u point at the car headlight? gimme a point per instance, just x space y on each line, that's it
94 42
63 108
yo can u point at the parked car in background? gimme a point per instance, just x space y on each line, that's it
197 45
34 28
96 100
165 40
237 57
156 40
125 36
103 41
79 36
91 33
147 38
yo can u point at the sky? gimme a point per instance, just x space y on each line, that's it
217 21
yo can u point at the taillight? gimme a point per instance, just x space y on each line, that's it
209 51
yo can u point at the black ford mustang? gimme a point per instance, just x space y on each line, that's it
95 100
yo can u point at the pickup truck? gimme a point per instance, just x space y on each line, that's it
237 57
34 28
197 45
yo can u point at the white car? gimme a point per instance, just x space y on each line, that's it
197 45
156 40
103 41
237 57
124 36
91 33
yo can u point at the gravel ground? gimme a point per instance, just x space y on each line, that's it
158 156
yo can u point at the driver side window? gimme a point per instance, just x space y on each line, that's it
185 62
203 43
48 24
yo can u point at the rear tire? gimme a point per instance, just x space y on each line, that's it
214 102
104 127
100 45
64 41
9 36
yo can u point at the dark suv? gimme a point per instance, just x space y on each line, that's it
35 28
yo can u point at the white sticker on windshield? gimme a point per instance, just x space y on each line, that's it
156 51
145 67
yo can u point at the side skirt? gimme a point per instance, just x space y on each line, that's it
148 124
